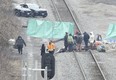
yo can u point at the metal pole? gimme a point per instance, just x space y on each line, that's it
26 74
52 31
23 72
45 73
36 71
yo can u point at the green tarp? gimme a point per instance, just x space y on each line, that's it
49 29
111 33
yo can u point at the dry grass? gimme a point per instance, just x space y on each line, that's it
10 65
8 22
9 28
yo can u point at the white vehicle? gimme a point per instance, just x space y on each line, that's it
28 9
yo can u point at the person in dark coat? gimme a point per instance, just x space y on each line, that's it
66 41
42 49
79 41
99 37
19 43
86 40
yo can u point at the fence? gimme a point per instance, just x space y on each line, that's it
32 73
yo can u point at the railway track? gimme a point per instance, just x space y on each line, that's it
98 66
65 13
91 69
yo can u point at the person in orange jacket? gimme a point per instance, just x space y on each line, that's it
51 47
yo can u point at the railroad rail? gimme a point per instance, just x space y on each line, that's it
64 15
73 17
99 68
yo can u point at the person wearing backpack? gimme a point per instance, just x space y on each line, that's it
70 42
75 43
79 41
19 43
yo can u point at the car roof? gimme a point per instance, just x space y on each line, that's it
21 8
32 5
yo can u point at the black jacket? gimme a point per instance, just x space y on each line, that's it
86 37
65 39
42 49
20 41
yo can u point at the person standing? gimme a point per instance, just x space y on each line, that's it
66 41
91 40
42 49
86 40
75 42
70 42
79 41
51 47
99 37
19 43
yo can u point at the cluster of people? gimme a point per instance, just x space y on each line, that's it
74 42
71 42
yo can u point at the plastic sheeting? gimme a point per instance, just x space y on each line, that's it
111 33
49 29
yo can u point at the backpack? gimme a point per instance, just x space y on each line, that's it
79 39
70 39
